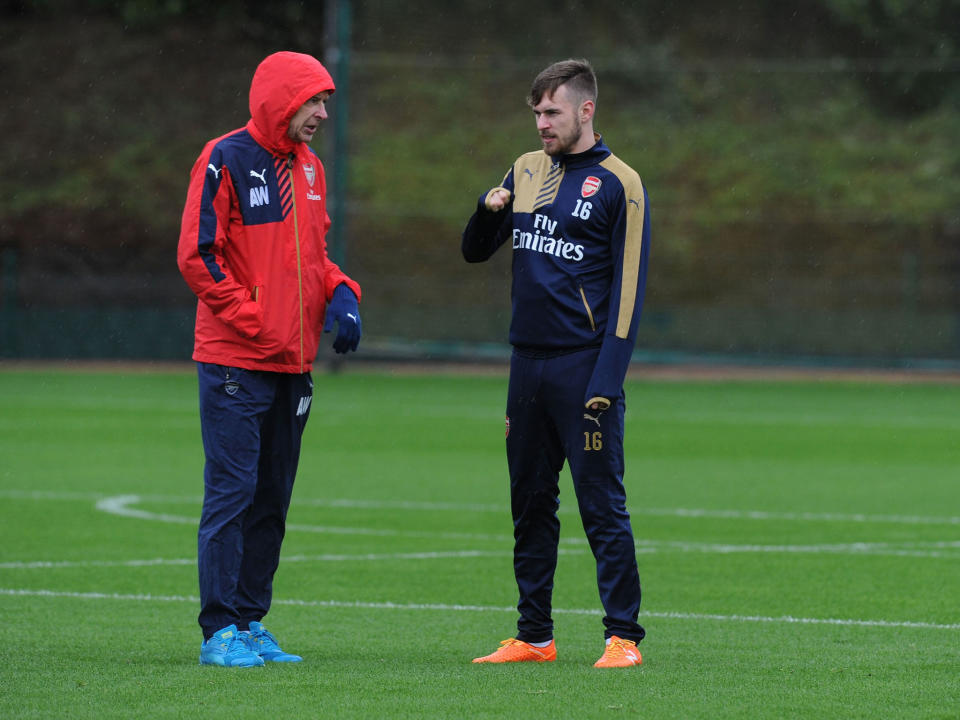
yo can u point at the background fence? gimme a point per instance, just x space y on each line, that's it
802 167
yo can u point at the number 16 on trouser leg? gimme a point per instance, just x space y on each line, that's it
594 448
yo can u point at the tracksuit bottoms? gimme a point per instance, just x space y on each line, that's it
252 423
547 424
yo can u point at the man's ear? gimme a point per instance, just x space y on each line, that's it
586 110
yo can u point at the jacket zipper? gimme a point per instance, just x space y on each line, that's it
296 236
583 296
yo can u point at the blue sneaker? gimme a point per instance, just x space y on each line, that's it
260 641
226 648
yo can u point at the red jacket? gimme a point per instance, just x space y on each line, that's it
252 242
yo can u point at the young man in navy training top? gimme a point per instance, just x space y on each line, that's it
577 219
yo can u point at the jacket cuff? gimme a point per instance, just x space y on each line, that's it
610 370
349 285
491 191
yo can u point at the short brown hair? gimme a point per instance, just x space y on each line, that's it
577 75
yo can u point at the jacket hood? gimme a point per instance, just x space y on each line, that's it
282 83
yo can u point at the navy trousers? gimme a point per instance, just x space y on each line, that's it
252 423
547 424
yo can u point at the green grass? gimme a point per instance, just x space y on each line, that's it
798 544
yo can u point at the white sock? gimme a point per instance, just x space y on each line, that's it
541 644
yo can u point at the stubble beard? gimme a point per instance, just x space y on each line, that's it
572 139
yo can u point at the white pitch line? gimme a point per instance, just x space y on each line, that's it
799 517
931 549
645 547
385 532
120 505
443 607
67 564
645 511
330 557
504 509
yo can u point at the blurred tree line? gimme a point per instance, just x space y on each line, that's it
801 158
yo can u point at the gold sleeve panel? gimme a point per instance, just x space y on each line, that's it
632 242
529 172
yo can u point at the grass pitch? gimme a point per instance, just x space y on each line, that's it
799 547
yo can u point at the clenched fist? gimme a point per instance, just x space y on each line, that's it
497 199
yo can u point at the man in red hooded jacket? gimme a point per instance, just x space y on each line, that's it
252 249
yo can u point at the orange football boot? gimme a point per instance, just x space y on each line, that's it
619 653
513 650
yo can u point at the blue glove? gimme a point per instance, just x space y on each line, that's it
343 309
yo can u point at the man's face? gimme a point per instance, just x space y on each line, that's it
306 120
558 122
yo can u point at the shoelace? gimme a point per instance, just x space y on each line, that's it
264 638
522 647
235 643
619 648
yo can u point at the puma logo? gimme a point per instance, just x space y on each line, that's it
588 416
529 172
216 173
263 176
635 202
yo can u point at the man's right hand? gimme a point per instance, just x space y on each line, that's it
497 199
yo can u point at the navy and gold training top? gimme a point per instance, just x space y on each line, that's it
579 226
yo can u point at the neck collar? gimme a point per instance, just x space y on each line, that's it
595 154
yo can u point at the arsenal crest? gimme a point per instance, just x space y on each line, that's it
312 174
590 187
